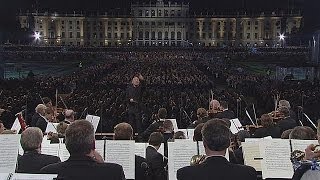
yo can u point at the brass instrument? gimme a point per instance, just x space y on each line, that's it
298 155
197 159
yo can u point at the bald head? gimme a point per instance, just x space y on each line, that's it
123 131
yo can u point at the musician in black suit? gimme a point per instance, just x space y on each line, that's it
84 162
38 119
124 131
156 125
32 160
157 162
216 140
268 128
225 112
287 122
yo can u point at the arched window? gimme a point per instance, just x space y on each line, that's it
140 35
179 35
146 35
172 35
159 35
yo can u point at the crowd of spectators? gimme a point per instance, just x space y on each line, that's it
178 80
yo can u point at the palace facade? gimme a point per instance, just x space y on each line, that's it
161 24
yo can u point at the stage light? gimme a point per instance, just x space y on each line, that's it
37 35
281 37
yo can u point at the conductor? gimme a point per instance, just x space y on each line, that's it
134 93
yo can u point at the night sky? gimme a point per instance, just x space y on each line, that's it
9 8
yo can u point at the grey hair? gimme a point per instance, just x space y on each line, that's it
80 137
31 139
40 107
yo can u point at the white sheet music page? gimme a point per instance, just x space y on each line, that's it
4 176
100 147
9 145
276 158
251 155
140 149
63 153
51 127
179 155
301 145
17 176
50 149
236 126
16 126
94 121
122 152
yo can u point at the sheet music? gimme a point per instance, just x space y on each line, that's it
161 149
122 152
63 153
140 149
251 155
100 147
179 155
4 176
20 150
94 121
17 176
16 126
276 158
50 149
9 145
301 145
175 125
236 126
51 127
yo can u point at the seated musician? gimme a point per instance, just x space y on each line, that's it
69 116
84 161
202 116
224 111
286 104
124 131
214 108
287 122
216 140
308 168
32 160
168 130
268 128
156 125
157 162
38 119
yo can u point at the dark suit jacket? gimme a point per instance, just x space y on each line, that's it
287 123
32 162
157 164
38 121
84 168
141 168
225 114
271 131
217 168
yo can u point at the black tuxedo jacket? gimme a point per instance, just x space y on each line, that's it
287 123
38 121
141 168
84 168
217 168
157 164
225 114
274 132
32 162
